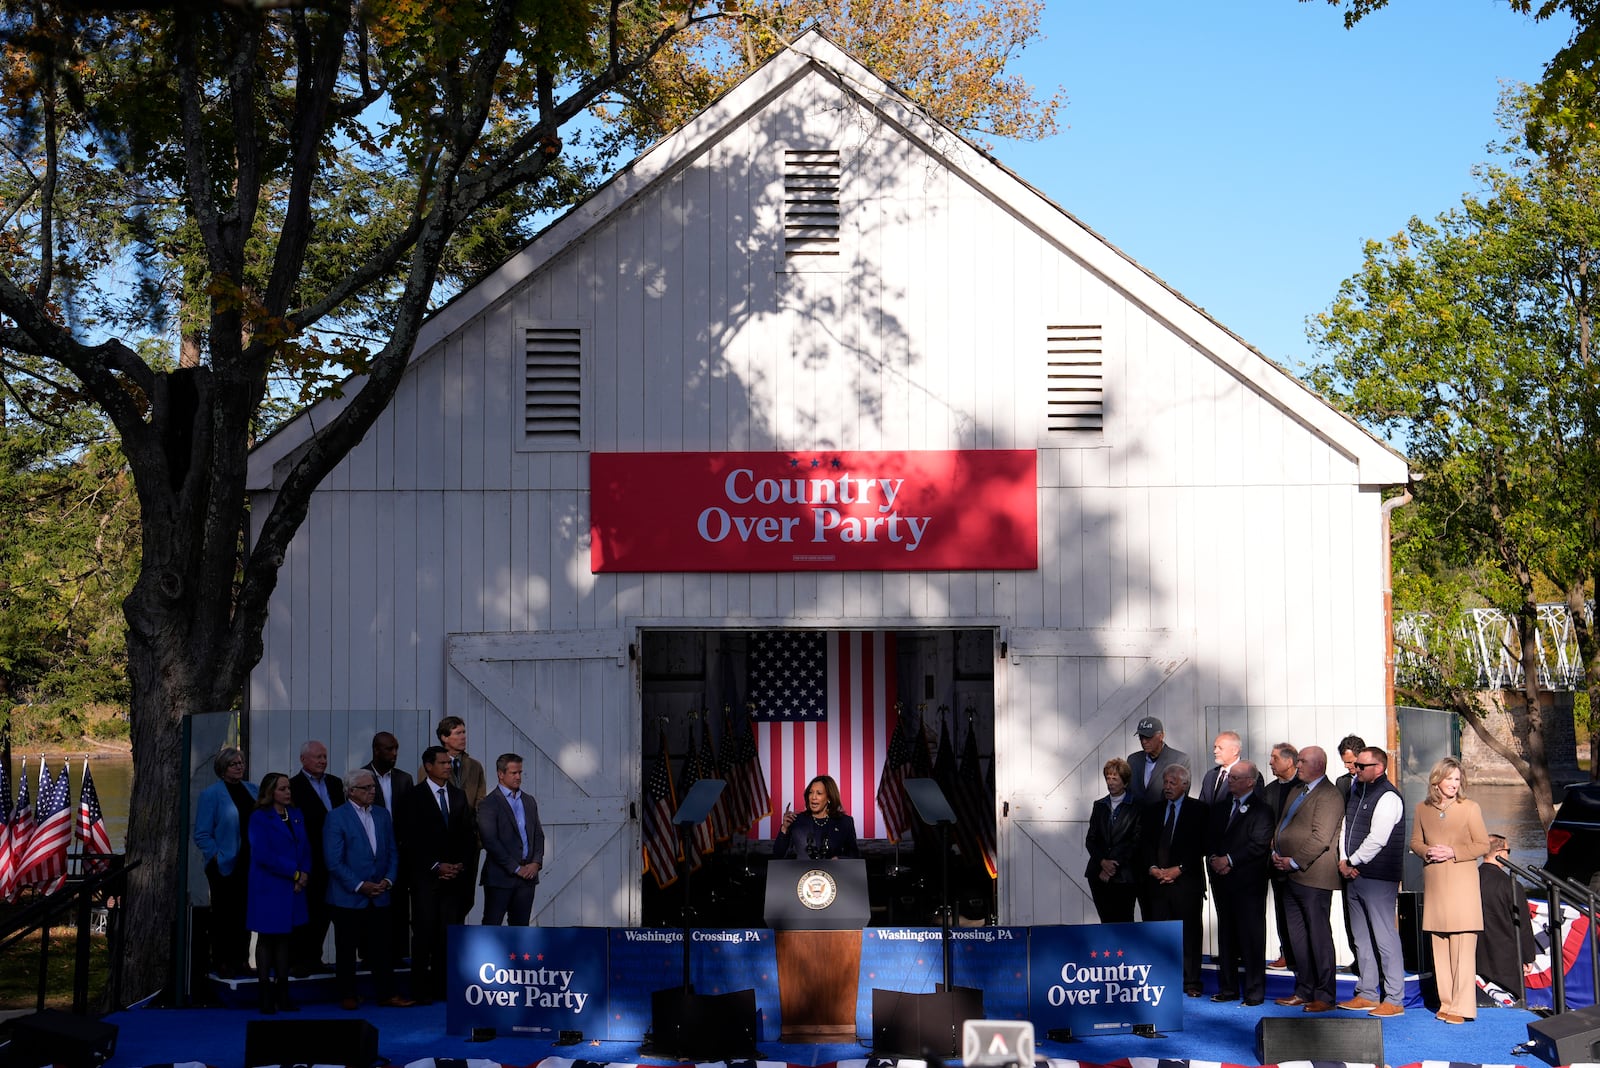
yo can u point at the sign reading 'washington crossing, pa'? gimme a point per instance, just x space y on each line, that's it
965 510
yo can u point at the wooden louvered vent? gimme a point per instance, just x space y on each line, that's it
1075 379
552 390
811 203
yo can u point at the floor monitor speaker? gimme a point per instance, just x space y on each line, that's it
353 1043
54 1037
923 1025
1570 1038
1318 1038
710 1027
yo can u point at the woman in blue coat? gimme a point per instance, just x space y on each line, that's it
219 832
280 868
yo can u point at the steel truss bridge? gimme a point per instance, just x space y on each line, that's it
1488 637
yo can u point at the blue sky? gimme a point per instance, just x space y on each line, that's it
1243 150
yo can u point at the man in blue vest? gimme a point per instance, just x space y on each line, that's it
1372 848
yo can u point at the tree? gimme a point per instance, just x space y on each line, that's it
208 204
1469 342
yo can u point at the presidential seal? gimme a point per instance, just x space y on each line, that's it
816 889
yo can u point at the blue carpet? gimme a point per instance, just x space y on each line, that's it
1212 1032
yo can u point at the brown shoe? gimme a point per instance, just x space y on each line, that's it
1293 999
1318 1006
349 1004
1358 1002
397 1002
1452 1018
1388 1008
1279 963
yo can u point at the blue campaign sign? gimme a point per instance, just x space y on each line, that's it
910 960
532 981
721 961
1100 979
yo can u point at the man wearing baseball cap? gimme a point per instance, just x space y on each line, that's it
1154 757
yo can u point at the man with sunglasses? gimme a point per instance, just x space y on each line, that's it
1372 848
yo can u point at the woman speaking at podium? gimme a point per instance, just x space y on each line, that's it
822 832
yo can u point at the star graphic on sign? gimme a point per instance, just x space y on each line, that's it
538 956
836 463
794 461
1119 952
816 463
1094 953
525 956
513 958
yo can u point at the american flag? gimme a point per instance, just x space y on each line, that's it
851 676
703 836
893 804
974 801
8 868
92 835
21 833
721 829
44 864
748 799
660 836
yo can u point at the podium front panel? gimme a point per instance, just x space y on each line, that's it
817 895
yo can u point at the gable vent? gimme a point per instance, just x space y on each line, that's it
811 203
552 389
1074 378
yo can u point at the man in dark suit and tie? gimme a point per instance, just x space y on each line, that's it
513 844
315 793
1172 858
1214 787
1285 782
438 836
1240 841
392 785
1306 851
358 844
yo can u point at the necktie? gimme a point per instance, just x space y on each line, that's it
444 804
1165 852
1235 813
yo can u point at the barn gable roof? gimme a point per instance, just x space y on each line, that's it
814 53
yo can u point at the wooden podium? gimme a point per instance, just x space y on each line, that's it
816 909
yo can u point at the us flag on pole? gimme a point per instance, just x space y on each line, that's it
44 864
8 869
92 835
824 705
893 804
660 836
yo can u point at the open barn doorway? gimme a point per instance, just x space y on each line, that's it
795 704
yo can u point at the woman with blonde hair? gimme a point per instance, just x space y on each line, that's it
1449 836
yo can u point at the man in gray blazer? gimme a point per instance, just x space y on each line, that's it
1155 756
513 844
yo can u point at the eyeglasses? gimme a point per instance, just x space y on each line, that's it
365 786
1374 764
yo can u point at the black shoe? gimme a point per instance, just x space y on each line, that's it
1251 1003
1192 991
1224 997
287 1006
268 1008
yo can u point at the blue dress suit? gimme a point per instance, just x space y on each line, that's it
360 921
216 825
277 851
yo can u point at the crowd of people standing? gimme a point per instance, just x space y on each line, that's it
1157 841
389 861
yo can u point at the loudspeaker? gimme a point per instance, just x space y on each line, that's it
54 1037
353 1043
710 1027
1416 948
1570 1038
923 1025
1312 1038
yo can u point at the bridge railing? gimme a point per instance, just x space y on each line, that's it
1487 639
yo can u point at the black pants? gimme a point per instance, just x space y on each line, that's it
435 906
1242 939
512 905
366 930
272 963
1113 901
230 941
1311 935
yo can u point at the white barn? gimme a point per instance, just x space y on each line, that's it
1208 530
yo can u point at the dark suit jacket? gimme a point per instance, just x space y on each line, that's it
497 827
1113 839
426 838
306 800
1247 843
399 783
1169 756
1188 847
1214 786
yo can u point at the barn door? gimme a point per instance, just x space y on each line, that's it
565 701
1069 703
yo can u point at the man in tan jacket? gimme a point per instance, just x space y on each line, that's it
1305 849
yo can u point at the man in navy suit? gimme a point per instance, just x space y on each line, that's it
1172 850
315 793
437 838
513 844
359 847
1240 844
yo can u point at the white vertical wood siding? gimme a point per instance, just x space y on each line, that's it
1205 511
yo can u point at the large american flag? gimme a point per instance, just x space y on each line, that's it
44 863
21 834
8 869
660 836
824 705
92 835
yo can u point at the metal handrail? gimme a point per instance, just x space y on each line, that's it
80 891
1578 891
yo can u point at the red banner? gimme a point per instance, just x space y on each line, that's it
824 511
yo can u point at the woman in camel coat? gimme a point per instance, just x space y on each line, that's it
1450 837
